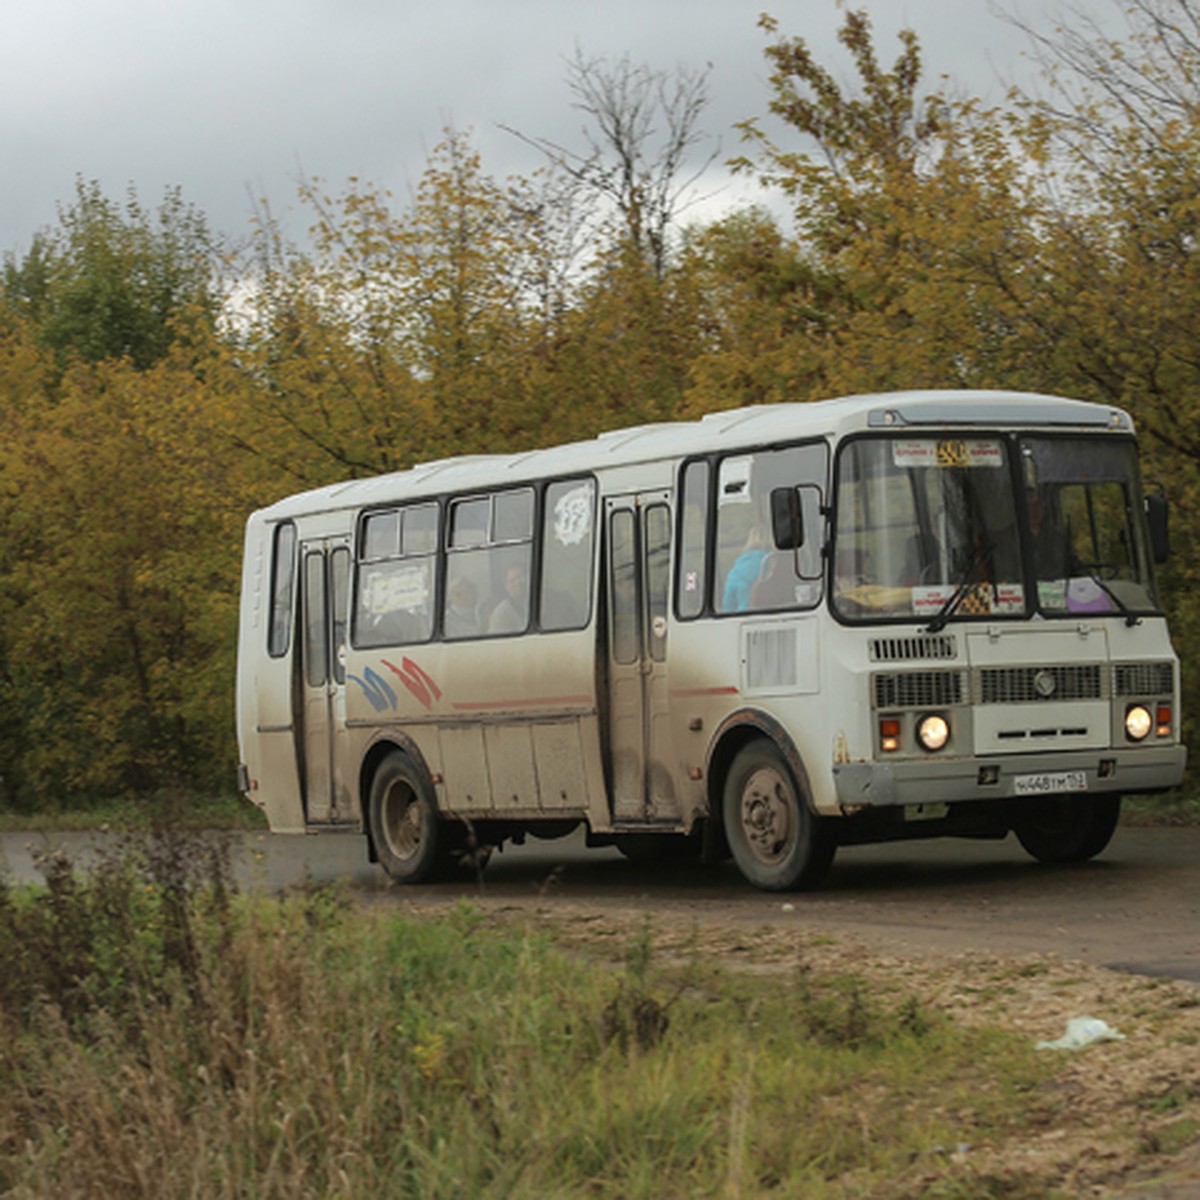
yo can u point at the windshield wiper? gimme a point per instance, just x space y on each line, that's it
1131 619
983 554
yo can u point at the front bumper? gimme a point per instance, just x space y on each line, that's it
935 780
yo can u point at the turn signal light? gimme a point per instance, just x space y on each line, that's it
889 733
1162 720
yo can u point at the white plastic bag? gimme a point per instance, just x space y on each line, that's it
1083 1031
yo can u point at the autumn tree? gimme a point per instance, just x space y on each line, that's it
760 303
120 584
25 377
111 280
914 226
117 568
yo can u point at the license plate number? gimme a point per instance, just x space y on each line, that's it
1050 781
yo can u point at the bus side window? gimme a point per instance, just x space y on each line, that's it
693 548
283 577
339 571
316 630
489 558
752 574
657 541
626 626
397 575
568 525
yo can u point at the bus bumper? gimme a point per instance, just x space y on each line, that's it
945 781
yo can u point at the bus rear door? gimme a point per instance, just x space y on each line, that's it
639 731
325 596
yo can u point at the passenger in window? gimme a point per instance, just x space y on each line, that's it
511 615
462 609
775 586
745 570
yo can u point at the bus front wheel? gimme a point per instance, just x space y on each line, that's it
1063 829
777 841
404 821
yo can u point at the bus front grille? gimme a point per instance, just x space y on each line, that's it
905 649
919 689
1144 679
1025 685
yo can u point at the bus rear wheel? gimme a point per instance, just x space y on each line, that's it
777 841
1063 829
404 823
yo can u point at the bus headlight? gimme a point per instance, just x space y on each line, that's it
933 731
1138 722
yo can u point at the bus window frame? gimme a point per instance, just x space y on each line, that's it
1011 471
359 561
489 545
1133 505
281 618
442 554
704 609
593 534
709 608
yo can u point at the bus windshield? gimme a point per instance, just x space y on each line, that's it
1086 530
942 528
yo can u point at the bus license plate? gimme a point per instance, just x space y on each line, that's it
1049 782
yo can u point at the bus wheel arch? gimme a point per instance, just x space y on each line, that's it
406 835
761 801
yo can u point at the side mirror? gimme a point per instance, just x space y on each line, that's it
1156 520
787 525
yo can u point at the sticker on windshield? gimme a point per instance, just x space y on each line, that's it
948 452
1009 598
979 599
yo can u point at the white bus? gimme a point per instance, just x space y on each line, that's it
762 634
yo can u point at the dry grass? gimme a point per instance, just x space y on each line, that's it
163 1037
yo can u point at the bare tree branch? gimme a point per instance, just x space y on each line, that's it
642 128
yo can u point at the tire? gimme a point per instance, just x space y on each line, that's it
1064 829
777 841
409 839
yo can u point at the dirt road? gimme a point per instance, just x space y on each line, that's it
1134 909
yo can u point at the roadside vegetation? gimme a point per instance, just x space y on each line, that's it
1181 807
164 1036
182 811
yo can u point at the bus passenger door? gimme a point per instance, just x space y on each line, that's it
638 574
325 596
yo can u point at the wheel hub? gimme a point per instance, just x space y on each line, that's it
402 822
767 809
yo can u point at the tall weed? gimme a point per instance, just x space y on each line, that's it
165 1037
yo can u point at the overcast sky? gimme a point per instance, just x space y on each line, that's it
232 98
